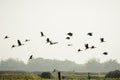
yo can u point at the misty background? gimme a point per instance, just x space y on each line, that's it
41 64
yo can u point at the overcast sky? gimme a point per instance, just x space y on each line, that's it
24 19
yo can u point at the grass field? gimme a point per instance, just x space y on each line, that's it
10 75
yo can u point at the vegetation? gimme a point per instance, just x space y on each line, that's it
40 64
113 74
35 77
47 75
25 76
21 75
70 70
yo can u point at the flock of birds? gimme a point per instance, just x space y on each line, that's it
86 45
68 37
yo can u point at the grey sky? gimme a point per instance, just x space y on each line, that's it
21 19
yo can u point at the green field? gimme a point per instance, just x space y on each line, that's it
21 75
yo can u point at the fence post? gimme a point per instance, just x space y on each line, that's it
89 77
59 75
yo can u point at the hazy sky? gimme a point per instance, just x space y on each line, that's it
24 19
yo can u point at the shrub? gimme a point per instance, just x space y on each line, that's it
46 75
113 74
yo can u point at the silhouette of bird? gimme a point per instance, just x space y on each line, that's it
19 43
92 47
52 43
42 34
48 40
69 44
79 50
90 34
105 53
31 57
13 46
86 46
102 40
27 40
6 37
68 38
70 34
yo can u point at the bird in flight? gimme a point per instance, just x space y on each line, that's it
79 50
13 46
68 38
19 43
102 40
70 34
48 40
105 53
69 44
86 46
90 34
52 43
27 40
42 34
30 57
92 47
6 37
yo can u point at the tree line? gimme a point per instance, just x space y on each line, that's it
40 64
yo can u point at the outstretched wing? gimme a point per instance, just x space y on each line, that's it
31 57
48 40
70 34
19 43
90 34
42 34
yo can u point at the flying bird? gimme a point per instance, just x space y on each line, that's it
6 37
13 46
69 44
92 47
68 38
86 46
90 34
105 53
102 40
52 43
27 40
48 40
79 50
19 43
31 57
42 34
70 34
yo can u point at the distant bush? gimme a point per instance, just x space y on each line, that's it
46 75
113 74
